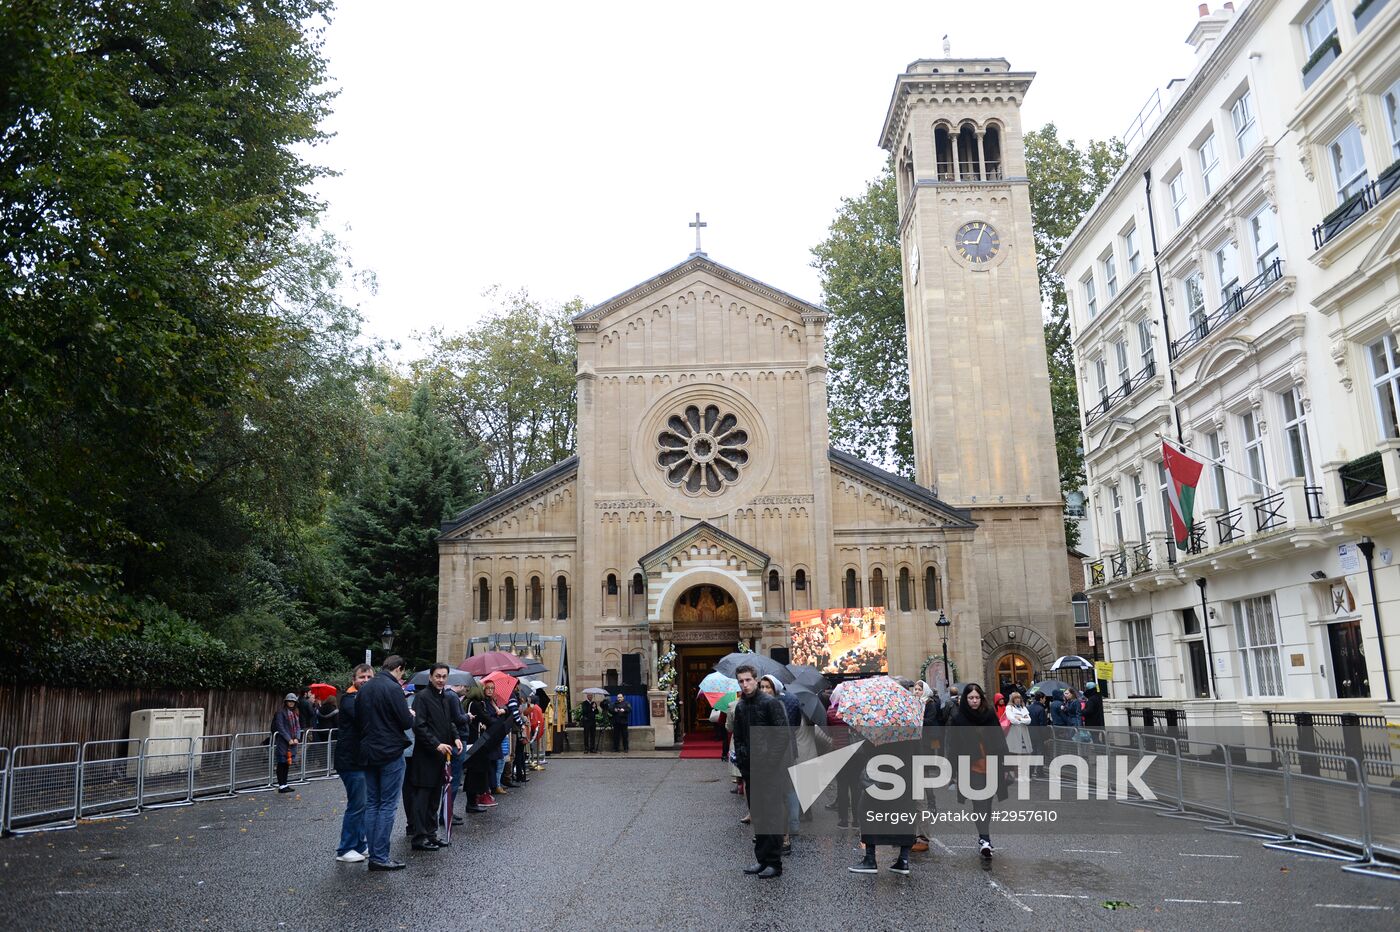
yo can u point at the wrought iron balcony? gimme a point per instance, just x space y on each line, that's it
1096 574
1268 513
1197 543
1239 299
1356 206
1313 494
1142 559
1363 479
1228 525
1129 385
1120 564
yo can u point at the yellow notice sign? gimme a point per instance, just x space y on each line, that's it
1103 670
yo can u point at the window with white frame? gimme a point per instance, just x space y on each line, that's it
1139 506
1210 164
1101 371
1295 432
1260 646
1110 274
1390 103
1145 350
1216 445
1125 373
1242 119
1348 162
1130 249
1385 381
1091 298
1164 490
1265 234
1115 501
1142 657
1318 26
1254 452
1227 271
1195 303
1176 194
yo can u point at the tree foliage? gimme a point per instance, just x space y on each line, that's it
508 386
862 287
859 263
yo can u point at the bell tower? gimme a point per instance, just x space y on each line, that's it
979 383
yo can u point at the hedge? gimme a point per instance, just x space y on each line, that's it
129 662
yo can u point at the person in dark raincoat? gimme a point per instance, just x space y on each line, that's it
973 735
434 738
286 733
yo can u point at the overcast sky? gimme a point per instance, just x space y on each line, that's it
564 147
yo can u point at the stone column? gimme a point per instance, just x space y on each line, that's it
981 159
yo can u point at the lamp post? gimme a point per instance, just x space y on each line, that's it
943 624
386 639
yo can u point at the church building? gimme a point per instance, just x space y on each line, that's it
705 501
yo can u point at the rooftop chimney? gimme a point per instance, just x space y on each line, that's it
1208 28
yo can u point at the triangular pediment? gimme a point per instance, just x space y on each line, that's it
707 540
698 268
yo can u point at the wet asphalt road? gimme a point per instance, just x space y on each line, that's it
644 844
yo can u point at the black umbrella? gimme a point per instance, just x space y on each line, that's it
454 678
534 668
810 703
809 676
766 666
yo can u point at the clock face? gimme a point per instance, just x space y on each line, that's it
977 242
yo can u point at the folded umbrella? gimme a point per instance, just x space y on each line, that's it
491 661
881 710
322 691
766 666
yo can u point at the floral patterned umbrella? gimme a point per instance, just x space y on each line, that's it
881 710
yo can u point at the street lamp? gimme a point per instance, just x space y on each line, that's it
386 638
943 624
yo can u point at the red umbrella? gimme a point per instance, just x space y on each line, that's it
505 685
323 691
481 664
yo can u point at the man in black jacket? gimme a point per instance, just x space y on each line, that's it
354 845
621 711
434 741
1093 706
588 714
381 717
763 747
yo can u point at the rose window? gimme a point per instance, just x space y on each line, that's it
701 451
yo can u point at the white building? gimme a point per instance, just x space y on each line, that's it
1237 288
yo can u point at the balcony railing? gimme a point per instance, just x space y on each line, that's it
1096 576
1197 543
1129 385
1363 479
1228 525
1238 300
1356 206
1120 564
1313 493
1268 513
1142 559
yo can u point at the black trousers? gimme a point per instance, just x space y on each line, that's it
590 737
282 767
767 849
848 794
620 738
421 804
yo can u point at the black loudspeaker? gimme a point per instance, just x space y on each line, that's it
632 669
780 654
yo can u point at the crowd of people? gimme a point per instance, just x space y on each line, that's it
423 748
965 726
618 712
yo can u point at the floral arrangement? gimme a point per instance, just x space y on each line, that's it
744 648
666 679
938 659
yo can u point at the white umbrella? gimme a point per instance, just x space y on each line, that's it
1071 662
596 691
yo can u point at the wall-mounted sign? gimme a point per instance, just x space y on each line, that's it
1349 558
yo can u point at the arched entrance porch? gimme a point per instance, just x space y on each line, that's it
704 626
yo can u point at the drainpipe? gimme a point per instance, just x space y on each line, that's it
1368 548
1205 626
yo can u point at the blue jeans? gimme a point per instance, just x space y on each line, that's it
500 771
794 808
383 785
352 826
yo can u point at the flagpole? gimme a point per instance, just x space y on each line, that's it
1214 462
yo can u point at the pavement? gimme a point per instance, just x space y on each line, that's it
646 844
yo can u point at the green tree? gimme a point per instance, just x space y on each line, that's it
387 532
508 386
152 184
864 292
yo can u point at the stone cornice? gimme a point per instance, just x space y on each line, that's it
590 319
947 87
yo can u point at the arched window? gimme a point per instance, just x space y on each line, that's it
773 584
483 599
639 586
637 596
905 590
799 582
852 598
611 598
933 600
943 153
991 153
877 588
561 598
536 598
612 584
969 164
510 599
1013 670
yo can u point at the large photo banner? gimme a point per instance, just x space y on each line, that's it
840 641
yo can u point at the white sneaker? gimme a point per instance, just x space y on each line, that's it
350 857
985 846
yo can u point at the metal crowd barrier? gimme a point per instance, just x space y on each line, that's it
52 786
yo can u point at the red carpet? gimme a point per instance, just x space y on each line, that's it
703 746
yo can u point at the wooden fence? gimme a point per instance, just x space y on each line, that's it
47 714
